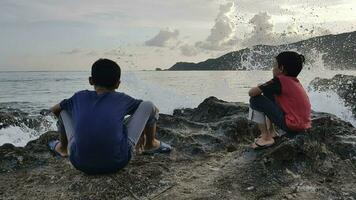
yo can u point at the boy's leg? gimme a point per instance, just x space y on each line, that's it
270 125
143 122
270 109
266 137
271 128
274 114
66 131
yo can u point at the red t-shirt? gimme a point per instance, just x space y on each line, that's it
293 100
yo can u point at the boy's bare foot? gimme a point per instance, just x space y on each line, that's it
158 147
154 145
273 133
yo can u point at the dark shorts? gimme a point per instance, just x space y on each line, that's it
266 104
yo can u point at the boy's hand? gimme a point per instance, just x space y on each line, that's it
140 147
255 91
45 112
56 109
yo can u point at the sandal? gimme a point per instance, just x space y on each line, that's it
260 147
163 148
52 147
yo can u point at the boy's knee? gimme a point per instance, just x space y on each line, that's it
147 105
152 111
254 101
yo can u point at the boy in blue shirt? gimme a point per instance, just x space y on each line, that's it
93 132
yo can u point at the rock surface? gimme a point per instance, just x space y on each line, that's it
211 160
343 85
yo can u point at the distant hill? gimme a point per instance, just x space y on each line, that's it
336 51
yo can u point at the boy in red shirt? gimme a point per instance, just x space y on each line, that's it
281 101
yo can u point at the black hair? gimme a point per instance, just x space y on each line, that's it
291 61
105 73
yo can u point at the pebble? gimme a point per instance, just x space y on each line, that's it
250 188
162 182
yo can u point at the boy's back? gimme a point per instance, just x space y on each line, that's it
100 139
295 103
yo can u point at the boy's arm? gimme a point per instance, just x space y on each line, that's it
56 109
271 87
255 91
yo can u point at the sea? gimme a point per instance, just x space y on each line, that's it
32 91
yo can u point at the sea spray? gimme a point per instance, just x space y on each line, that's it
330 102
19 128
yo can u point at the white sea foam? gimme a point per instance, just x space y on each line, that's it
20 135
15 135
330 102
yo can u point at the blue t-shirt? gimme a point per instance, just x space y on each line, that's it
100 142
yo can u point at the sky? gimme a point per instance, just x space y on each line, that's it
148 34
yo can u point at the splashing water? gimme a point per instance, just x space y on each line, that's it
330 102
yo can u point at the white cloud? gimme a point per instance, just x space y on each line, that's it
188 50
262 30
73 51
165 38
223 33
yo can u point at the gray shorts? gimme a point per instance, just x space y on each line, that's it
145 115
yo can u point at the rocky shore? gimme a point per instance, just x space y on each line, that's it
211 160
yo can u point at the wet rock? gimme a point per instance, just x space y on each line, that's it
211 159
212 110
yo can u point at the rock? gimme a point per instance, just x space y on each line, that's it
289 196
211 160
250 188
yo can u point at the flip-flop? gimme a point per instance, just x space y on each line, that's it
277 136
260 147
163 148
52 147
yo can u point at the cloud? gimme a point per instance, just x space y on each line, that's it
254 6
188 50
263 32
118 53
165 38
92 53
77 51
223 33
71 52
